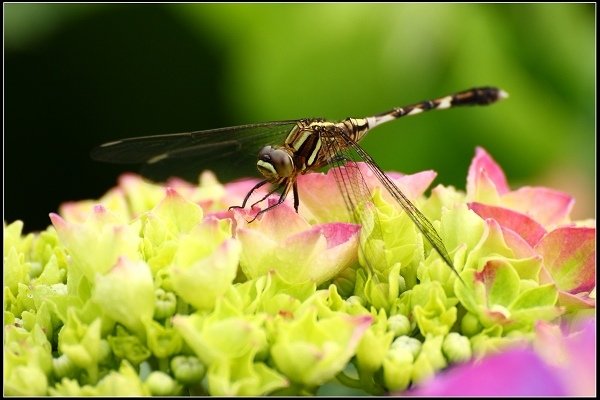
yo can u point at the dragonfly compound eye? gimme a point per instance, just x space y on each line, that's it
274 163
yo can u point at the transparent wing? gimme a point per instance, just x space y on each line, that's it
420 220
357 198
229 152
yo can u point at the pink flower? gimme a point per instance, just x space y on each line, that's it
540 216
570 259
283 241
486 184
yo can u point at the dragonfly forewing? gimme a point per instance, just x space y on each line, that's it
231 152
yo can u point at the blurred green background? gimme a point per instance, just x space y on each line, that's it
79 75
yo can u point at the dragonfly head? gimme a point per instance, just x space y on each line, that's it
275 163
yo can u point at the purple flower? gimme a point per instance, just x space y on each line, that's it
565 366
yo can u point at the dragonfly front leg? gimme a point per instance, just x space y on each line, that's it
288 185
258 185
267 195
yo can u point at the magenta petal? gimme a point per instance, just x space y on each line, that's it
546 206
579 373
516 372
570 257
483 161
571 352
526 227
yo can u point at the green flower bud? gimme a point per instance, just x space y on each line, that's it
188 370
407 343
470 325
63 366
165 304
161 384
456 348
399 325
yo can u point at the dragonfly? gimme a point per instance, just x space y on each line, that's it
283 150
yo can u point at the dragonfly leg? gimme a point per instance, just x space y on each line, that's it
296 198
258 185
284 193
265 196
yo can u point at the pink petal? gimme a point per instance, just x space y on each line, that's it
59 223
320 193
516 372
361 324
484 165
571 354
546 206
580 372
171 193
258 251
236 191
570 257
180 184
412 186
489 274
526 227
99 209
518 245
278 223
576 301
337 233
341 249
129 180
223 214
320 196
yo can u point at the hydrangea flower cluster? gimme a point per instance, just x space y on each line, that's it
161 290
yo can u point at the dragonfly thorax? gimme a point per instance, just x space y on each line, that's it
275 163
